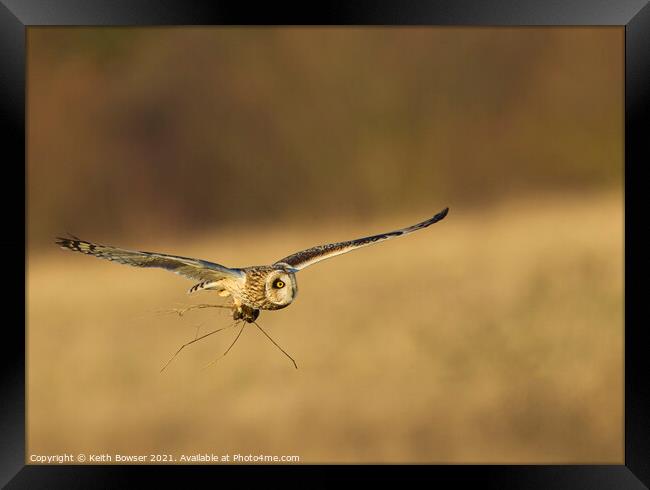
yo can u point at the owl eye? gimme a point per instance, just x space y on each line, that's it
278 284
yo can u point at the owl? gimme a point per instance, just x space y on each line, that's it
251 289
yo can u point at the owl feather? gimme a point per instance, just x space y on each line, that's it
196 269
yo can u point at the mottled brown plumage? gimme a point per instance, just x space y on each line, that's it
255 292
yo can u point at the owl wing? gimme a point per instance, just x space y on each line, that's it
305 258
199 270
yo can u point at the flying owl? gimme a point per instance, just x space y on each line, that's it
254 288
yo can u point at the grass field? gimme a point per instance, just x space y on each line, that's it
495 336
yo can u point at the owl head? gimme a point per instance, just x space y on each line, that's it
281 287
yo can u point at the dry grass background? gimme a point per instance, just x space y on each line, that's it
495 336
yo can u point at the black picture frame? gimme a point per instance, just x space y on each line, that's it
633 15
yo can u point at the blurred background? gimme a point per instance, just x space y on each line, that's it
495 336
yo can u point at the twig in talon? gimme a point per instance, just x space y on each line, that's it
275 343
191 342
181 311
243 324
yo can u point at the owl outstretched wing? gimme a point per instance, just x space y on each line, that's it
305 258
199 270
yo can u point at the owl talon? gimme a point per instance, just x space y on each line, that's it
245 313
